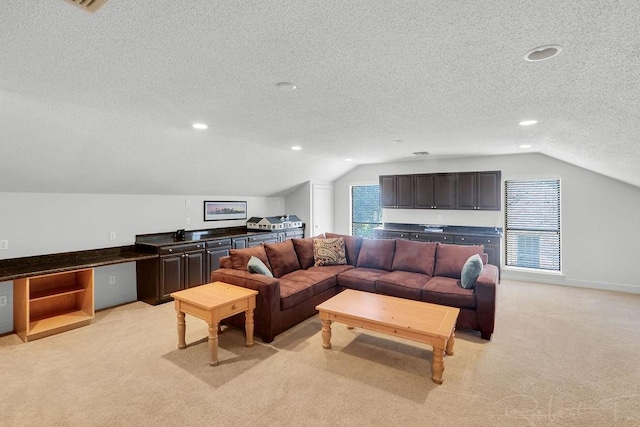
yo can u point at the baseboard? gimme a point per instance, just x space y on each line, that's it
553 279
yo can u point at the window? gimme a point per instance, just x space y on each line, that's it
533 224
366 213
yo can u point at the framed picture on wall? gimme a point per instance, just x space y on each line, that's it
224 211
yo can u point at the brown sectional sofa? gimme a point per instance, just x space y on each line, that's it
423 271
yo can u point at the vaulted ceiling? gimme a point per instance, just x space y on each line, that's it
104 102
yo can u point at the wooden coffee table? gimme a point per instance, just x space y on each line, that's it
415 320
212 303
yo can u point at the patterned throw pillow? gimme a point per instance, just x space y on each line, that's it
329 251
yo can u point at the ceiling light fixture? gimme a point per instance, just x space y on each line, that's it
395 141
296 148
543 52
420 153
528 122
200 126
348 160
525 146
286 86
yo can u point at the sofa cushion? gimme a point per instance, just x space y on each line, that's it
256 266
447 291
332 269
319 280
240 257
293 293
470 271
377 254
451 258
417 257
352 246
304 250
361 279
282 258
402 284
329 251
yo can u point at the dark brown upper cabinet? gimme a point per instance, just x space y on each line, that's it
463 190
434 191
396 191
478 190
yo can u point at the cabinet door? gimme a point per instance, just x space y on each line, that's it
423 191
489 185
171 274
404 191
466 191
388 191
194 263
239 242
213 260
445 190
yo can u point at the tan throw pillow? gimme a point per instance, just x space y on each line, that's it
329 251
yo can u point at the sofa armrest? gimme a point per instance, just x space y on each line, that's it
486 299
225 262
267 301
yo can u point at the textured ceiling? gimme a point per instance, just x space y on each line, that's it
104 102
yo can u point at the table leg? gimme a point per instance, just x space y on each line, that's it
248 327
213 344
326 333
450 343
182 326
437 366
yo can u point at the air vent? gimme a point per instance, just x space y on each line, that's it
420 153
88 5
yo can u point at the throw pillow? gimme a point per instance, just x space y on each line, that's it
377 253
240 257
256 266
416 257
470 271
304 250
329 251
282 258
352 246
451 258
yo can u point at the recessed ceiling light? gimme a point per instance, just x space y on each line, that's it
296 148
420 153
200 126
525 146
348 160
528 122
286 86
543 52
395 141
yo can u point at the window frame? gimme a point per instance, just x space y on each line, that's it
506 266
351 221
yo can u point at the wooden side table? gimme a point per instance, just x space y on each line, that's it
212 303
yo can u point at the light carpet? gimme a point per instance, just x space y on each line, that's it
559 356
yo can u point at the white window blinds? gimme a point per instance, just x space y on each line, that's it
533 224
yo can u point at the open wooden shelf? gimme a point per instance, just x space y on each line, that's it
53 303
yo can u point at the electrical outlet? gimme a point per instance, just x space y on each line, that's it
187 203
187 221
112 235
4 245
112 280
3 300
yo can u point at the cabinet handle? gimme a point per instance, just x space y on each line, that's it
444 238
462 238
170 250
488 240
233 307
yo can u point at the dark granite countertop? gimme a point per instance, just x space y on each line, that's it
17 268
168 239
444 229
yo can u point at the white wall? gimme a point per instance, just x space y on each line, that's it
37 224
298 202
600 226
